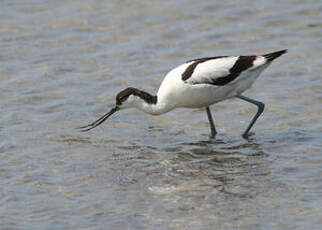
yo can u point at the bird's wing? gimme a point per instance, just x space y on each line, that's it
219 70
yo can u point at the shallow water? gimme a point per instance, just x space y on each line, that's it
61 64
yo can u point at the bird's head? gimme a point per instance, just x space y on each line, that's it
127 98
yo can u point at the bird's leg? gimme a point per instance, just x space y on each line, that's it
211 122
260 106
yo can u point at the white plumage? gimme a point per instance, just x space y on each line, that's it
207 71
198 83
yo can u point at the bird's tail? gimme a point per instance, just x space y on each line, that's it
271 56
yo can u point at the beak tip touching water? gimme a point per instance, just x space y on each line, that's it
97 122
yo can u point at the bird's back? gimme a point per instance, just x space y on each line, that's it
204 81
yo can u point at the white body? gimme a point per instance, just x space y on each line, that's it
176 93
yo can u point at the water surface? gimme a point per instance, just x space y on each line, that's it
61 65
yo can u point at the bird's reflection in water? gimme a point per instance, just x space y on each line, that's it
234 167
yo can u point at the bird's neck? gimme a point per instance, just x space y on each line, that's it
151 104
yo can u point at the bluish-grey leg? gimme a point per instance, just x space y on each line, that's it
260 106
211 122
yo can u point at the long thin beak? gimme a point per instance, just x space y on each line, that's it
98 121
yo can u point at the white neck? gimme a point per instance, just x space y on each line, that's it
153 109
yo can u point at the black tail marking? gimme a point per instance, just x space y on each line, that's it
271 56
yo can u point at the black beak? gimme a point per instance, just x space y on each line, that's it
98 121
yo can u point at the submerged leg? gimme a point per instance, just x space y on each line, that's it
211 122
260 106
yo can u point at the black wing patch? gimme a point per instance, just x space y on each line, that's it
242 63
189 71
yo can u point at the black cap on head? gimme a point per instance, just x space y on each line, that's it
124 94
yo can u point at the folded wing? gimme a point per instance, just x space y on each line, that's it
218 70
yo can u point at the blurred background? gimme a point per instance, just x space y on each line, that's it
61 65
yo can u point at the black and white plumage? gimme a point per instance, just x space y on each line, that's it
198 83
